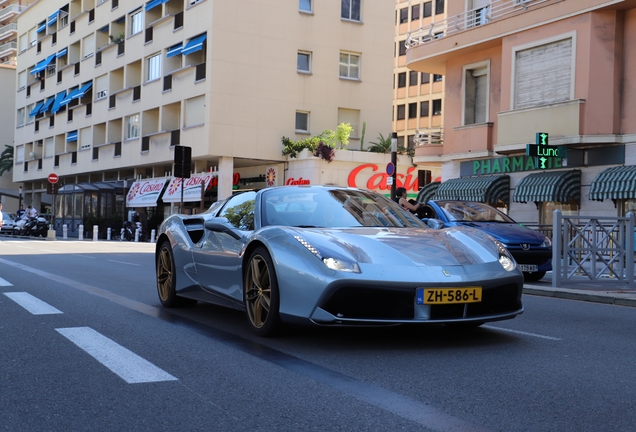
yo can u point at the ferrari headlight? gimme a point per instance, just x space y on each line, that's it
547 243
505 258
330 260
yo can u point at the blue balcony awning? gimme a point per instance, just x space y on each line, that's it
36 109
61 53
195 44
53 17
174 50
58 102
47 105
153 3
69 97
41 27
71 136
81 91
42 65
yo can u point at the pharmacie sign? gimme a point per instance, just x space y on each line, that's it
506 165
377 178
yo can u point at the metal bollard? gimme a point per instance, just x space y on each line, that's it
108 232
65 232
95 232
153 233
80 231
121 235
137 235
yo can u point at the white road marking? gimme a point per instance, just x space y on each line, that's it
84 256
5 282
124 262
49 250
32 304
123 362
522 333
24 247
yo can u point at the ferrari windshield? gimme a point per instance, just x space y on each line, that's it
464 211
325 207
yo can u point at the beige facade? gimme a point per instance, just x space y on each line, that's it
229 79
515 68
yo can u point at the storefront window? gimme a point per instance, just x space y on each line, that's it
628 206
59 206
546 212
77 214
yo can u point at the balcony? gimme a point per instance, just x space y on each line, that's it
8 49
10 13
429 47
10 31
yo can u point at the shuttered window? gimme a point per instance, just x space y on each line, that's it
543 74
476 95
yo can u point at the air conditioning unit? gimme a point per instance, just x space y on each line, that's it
102 94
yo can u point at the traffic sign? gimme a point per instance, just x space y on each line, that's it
390 168
53 178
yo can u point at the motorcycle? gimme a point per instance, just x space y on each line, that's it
129 229
37 226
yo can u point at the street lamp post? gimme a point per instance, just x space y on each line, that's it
394 162
19 197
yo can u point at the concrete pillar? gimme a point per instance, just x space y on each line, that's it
226 174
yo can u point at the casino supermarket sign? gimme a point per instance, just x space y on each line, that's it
379 181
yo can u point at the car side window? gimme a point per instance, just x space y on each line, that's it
239 210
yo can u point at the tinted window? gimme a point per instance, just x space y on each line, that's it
239 210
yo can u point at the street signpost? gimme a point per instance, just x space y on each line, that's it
52 189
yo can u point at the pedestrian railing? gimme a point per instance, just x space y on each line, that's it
601 249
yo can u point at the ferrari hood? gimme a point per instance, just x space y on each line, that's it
405 246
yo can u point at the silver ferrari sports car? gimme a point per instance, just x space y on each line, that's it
333 256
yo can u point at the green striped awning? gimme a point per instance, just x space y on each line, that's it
427 192
557 186
618 182
486 189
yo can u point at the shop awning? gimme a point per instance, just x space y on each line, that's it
618 182
195 44
174 50
557 186
486 189
427 192
191 188
58 102
81 91
145 193
42 65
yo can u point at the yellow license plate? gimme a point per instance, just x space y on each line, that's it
448 295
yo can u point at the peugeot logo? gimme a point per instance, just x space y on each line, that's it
525 246
447 274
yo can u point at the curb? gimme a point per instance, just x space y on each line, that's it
604 297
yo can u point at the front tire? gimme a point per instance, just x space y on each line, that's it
167 278
261 294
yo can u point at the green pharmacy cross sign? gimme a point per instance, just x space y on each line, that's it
542 151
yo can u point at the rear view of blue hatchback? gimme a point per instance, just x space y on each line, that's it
531 249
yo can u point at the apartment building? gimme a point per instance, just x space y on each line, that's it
556 74
107 89
417 95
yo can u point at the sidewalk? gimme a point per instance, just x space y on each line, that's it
583 289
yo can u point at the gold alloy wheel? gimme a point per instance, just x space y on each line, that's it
258 291
164 274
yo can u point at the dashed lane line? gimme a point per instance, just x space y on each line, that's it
32 304
4 282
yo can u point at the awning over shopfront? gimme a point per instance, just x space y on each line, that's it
427 192
557 186
486 189
618 182
145 193
191 188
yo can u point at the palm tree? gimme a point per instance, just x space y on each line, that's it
382 146
6 160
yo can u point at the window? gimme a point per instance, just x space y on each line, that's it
437 107
439 7
424 109
239 211
153 67
349 66
413 110
304 62
350 9
401 112
404 15
543 74
22 80
302 121
411 141
413 78
437 78
402 48
132 126
426 78
304 5
402 79
475 94
88 45
415 12
21 117
195 111
428 9
136 22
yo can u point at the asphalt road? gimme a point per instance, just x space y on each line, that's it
85 345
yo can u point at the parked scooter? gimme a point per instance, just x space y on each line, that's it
37 226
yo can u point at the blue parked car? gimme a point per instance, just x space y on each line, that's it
531 249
